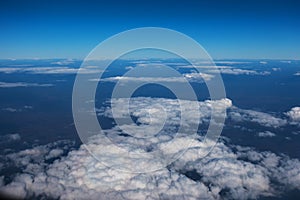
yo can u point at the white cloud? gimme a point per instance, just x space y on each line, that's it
129 67
10 109
141 79
9 138
294 114
22 84
297 74
261 118
142 108
224 173
198 76
228 172
209 69
54 153
193 77
236 71
53 70
64 62
266 134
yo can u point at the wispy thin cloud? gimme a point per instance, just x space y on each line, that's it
23 84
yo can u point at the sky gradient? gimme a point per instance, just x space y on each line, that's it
226 29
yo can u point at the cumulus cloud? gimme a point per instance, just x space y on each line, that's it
142 109
34 160
228 172
22 84
294 114
297 74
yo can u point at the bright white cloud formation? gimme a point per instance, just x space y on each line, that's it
228 172
294 114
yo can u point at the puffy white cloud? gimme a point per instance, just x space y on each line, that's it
228 172
54 153
242 173
297 74
294 114
151 110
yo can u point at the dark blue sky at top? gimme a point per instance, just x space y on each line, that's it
226 29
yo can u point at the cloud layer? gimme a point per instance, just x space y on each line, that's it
51 70
228 172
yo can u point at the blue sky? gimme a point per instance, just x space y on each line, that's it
226 29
